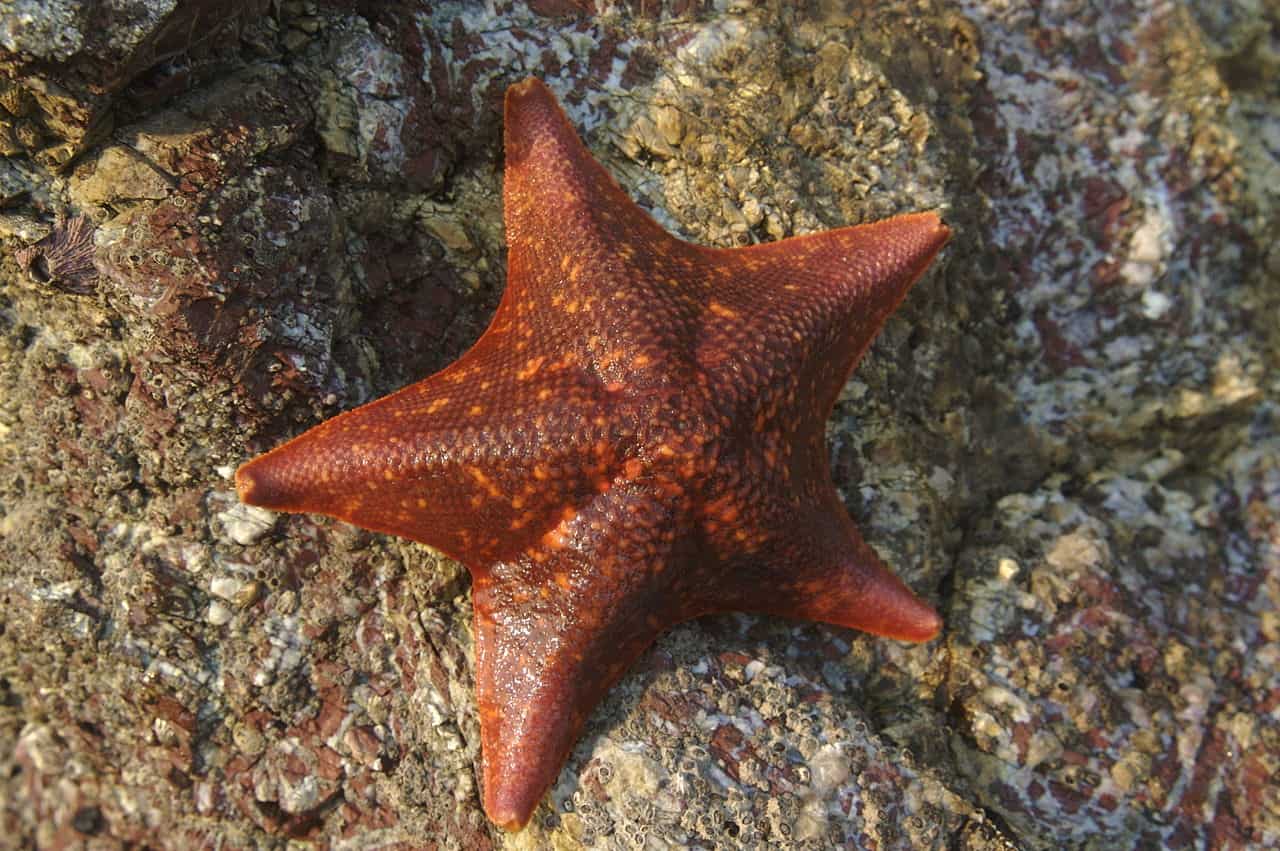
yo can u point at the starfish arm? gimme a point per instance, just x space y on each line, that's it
586 266
555 628
796 316
479 468
559 202
812 564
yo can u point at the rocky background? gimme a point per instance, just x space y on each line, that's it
221 222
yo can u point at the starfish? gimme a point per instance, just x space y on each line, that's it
636 440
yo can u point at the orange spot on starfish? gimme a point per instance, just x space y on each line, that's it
698 484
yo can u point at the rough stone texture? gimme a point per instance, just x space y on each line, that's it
69 68
1067 438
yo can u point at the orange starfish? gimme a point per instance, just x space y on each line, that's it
636 440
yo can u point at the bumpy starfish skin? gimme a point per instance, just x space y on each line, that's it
636 440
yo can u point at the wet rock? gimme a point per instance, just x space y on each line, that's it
1065 438
64 64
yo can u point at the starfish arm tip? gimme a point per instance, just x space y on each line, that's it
248 485
261 483
921 625
505 808
894 611
527 104
928 231
529 86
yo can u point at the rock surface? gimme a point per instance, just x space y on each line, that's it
222 222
